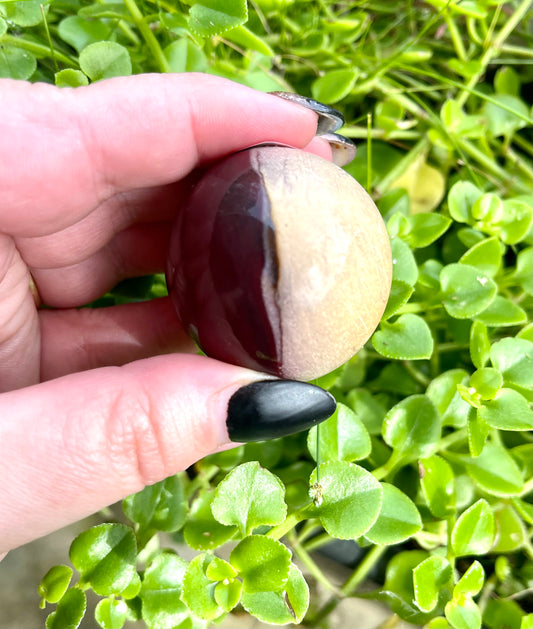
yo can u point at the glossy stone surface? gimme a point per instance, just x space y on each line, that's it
279 262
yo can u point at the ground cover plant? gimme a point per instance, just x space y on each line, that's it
427 463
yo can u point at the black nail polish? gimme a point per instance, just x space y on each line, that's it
275 408
329 119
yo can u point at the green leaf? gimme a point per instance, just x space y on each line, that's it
515 222
502 122
133 588
69 611
507 81
79 32
487 382
473 533
398 519
16 63
523 273
248 497
111 613
228 594
55 583
426 228
161 591
430 577
202 531
442 391
248 40
184 56
502 312
70 78
367 408
399 295
413 427
3 26
514 358
425 185
437 480
408 338
158 507
478 432
105 59
479 344
219 569
463 613
461 198
510 531
199 591
350 499
334 86
262 563
404 267
105 556
213 17
280 608
466 290
472 580
430 274
508 411
24 13
485 256
527 622
503 479
343 437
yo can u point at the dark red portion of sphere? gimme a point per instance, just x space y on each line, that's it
222 265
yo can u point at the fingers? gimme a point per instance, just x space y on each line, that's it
124 133
87 338
73 445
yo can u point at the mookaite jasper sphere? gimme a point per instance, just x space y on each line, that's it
279 262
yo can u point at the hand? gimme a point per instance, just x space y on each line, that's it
90 180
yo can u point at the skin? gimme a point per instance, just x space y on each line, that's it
95 404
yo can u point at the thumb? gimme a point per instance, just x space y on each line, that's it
71 446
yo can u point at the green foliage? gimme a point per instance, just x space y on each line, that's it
430 448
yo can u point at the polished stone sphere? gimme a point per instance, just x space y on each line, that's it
280 262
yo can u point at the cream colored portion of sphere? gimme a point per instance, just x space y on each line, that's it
334 260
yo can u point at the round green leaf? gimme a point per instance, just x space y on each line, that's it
430 577
105 59
485 256
487 382
79 32
70 78
413 427
399 295
523 273
69 611
343 437
280 608
161 591
466 290
442 391
461 198
16 63
479 344
510 531
515 224
404 267
462 613
105 556
508 411
219 570
248 497
111 613
368 409
184 56
202 531
473 533
199 591
408 338
351 499
472 580
437 480
262 563
213 17
514 358
495 471
426 227
24 12
334 86
502 312
55 583
158 507
398 519
228 594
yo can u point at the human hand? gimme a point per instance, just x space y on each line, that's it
97 403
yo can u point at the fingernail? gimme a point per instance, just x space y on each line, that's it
342 149
329 119
269 409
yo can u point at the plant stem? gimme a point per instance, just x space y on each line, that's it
416 374
353 582
37 49
310 564
418 149
288 524
149 37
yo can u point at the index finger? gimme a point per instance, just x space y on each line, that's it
69 149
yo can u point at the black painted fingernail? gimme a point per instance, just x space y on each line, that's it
268 409
342 149
329 119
